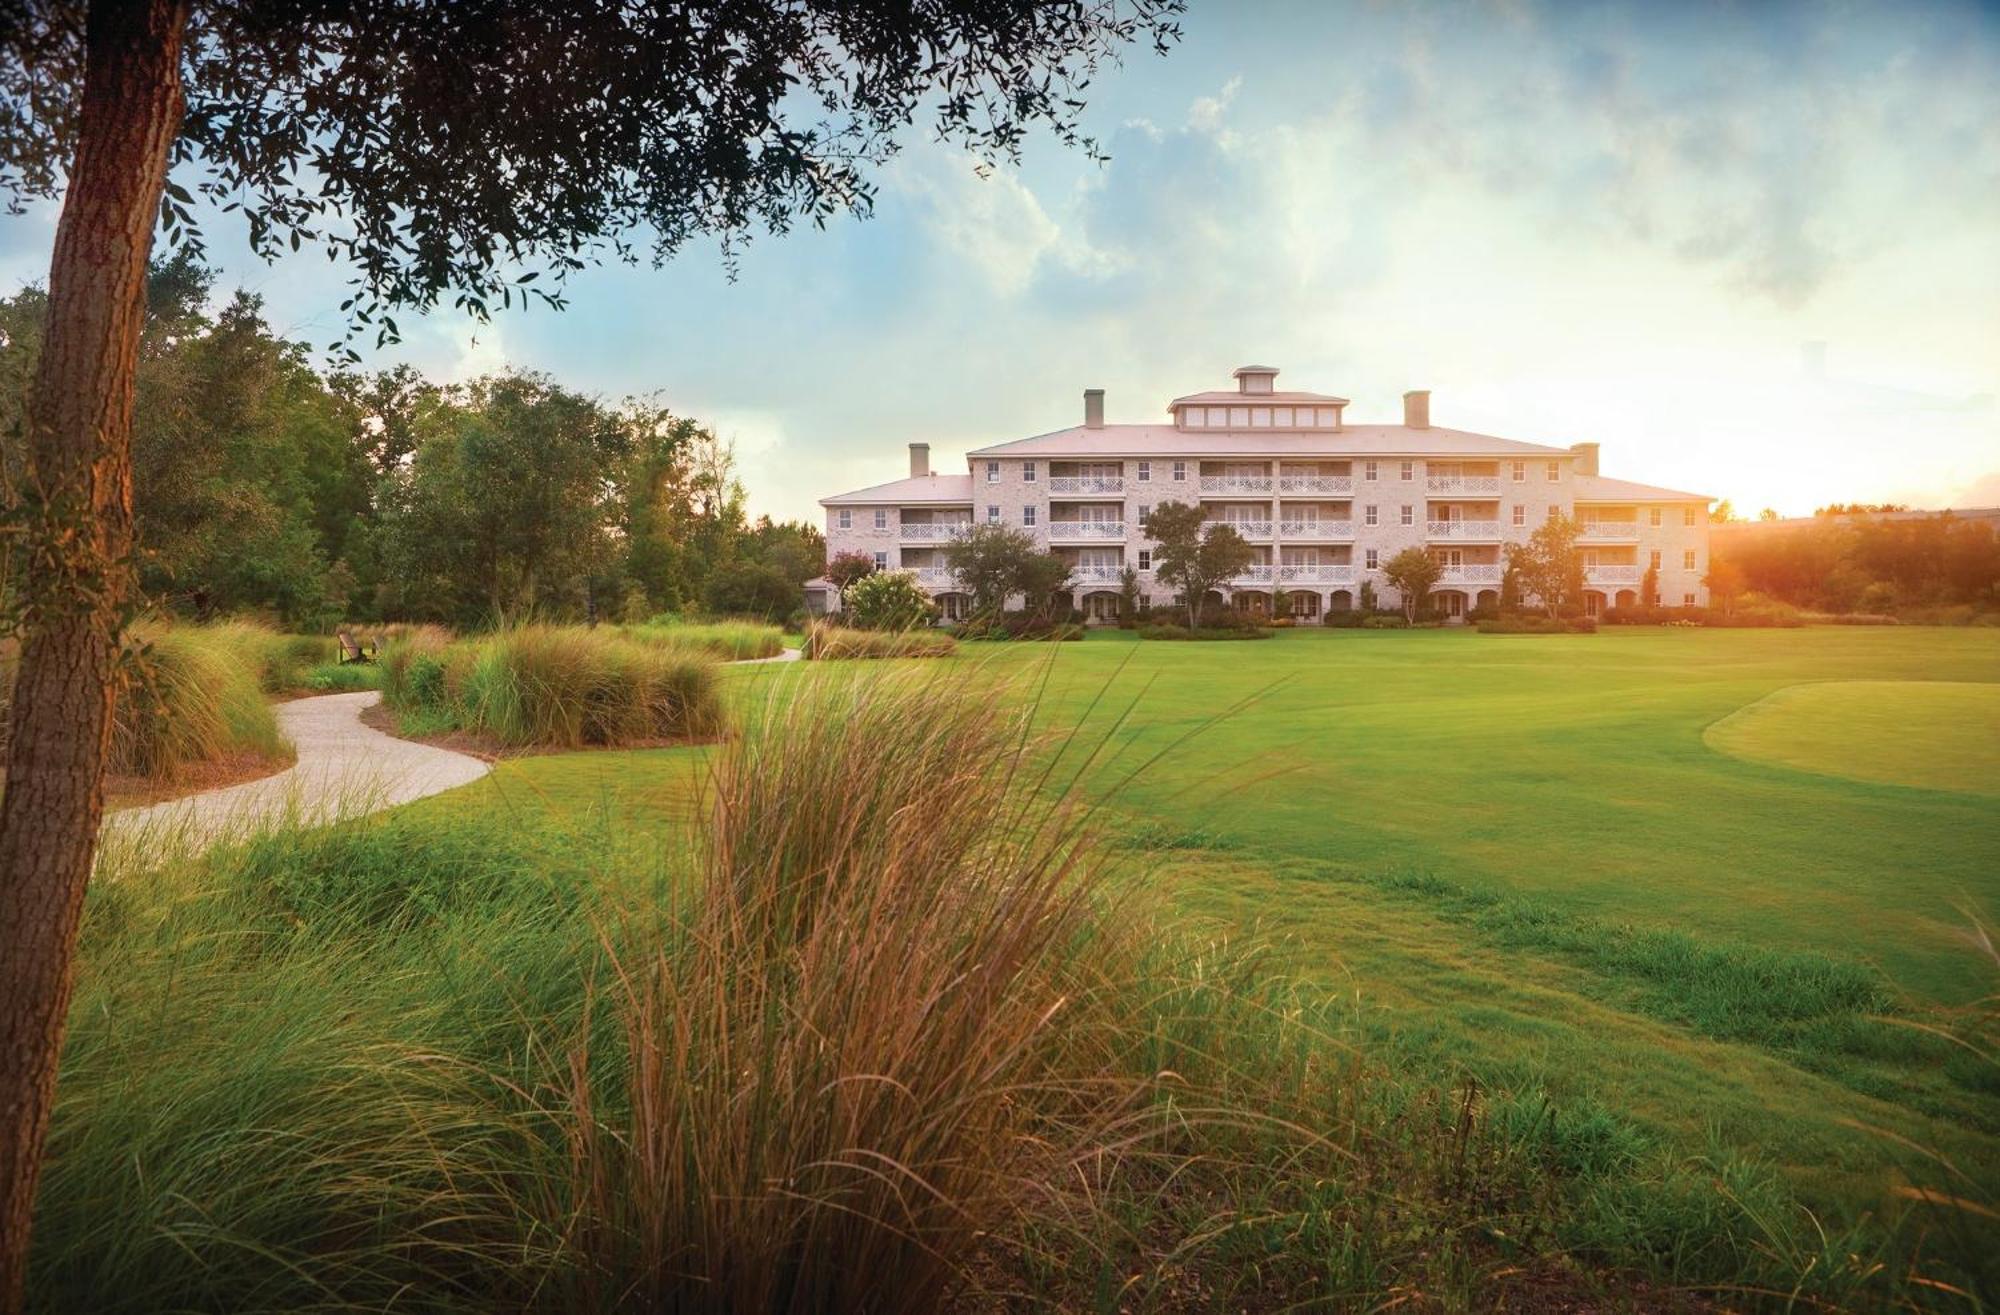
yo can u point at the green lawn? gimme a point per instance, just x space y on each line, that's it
1531 861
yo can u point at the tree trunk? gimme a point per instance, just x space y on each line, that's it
78 558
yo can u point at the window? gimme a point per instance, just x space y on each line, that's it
992 515
1368 514
1194 417
881 518
846 518
1409 516
1180 470
1145 472
1520 514
1520 471
1145 559
1554 512
1144 512
1687 560
1409 470
1027 472
1239 417
1555 471
1654 561
1281 416
1027 515
881 561
1687 600
1687 515
1653 515
1368 470
1326 416
1374 559
992 472
1145 605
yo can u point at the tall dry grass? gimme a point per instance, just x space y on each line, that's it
827 642
731 641
193 694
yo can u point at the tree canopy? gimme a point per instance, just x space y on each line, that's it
1193 557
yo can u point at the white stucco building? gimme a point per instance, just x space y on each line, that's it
1323 501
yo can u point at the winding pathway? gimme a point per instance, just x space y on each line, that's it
344 769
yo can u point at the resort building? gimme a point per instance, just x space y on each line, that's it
1323 502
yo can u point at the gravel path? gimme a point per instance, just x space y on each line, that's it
344 769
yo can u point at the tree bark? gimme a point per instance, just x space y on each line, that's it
78 549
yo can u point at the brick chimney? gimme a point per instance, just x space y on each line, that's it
1417 409
920 459
1093 408
1586 457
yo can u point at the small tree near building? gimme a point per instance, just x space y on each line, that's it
1413 571
847 567
1128 596
1550 566
991 561
1193 558
1040 576
1724 581
1649 587
888 600
1367 601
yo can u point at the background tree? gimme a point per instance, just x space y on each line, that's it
1550 565
1413 571
1724 581
1194 559
746 588
1128 596
991 561
444 152
1649 587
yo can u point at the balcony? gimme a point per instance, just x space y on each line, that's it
1072 531
1608 532
934 531
935 577
1096 574
1612 575
1063 486
1258 574
1248 529
1463 531
1316 574
1236 485
1462 484
1315 484
1315 531
1471 573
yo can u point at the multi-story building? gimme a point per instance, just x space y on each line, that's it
1323 502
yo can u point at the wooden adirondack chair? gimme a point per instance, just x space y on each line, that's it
353 650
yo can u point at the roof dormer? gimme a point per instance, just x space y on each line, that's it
1256 378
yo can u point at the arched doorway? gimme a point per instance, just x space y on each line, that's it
1252 602
1626 598
1593 602
1487 598
1213 602
1101 607
1061 604
953 607
1340 601
1302 604
1449 603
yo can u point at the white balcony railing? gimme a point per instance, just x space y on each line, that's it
1462 483
1235 483
1462 530
934 531
1073 530
1315 531
936 577
1318 574
1611 574
1608 531
1473 573
1248 529
1258 574
1086 484
1315 484
1096 574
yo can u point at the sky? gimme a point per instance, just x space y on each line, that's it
1752 249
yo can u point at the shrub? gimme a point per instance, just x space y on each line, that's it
192 694
556 686
1385 621
1347 620
1171 630
337 677
1019 625
827 642
888 600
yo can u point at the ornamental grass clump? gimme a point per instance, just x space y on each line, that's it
731 641
827 642
189 695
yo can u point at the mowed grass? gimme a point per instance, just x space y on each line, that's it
1528 862
1936 734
